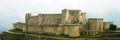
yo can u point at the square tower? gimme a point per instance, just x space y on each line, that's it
73 17
72 21
95 25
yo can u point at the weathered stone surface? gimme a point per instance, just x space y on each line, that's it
33 20
49 29
66 30
73 17
107 25
82 18
19 25
95 25
74 31
34 29
46 23
24 28
27 16
64 23
59 30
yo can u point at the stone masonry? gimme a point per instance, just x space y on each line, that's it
69 22
107 25
96 25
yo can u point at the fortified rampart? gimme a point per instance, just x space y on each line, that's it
107 25
96 25
70 22
18 25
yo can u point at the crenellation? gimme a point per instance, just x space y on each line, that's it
73 23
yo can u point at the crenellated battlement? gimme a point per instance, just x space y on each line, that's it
72 23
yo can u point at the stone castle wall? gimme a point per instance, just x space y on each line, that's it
34 29
70 22
49 29
73 17
19 25
95 25
107 25
72 30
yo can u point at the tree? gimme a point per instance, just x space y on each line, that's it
113 27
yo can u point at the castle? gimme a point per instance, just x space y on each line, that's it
70 22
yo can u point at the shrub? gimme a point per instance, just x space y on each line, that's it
113 27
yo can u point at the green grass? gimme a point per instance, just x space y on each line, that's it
118 28
16 30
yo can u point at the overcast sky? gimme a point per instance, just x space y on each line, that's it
12 11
